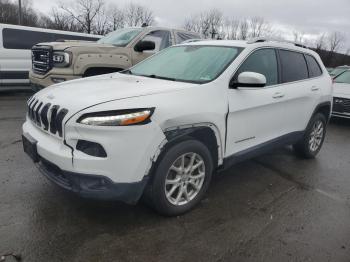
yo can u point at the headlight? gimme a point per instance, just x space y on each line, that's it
61 59
118 118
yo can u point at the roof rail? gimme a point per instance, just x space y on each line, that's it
265 39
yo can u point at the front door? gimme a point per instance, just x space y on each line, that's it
161 38
255 114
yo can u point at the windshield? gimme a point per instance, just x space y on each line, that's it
343 78
190 63
121 37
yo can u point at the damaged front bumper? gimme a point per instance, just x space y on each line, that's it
92 186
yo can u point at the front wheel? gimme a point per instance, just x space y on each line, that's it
312 141
181 178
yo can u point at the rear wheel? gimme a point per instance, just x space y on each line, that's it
181 178
312 141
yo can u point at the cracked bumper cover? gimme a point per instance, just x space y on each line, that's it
92 186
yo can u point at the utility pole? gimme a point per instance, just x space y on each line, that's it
19 12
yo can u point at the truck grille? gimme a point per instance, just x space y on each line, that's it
46 116
341 105
41 59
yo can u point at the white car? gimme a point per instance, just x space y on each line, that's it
161 128
341 93
15 51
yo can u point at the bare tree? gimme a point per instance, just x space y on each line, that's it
209 23
298 36
117 18
320 43
231 29
137 15
335 41
84 12
258 27
9 13
243 29
59 20
193 24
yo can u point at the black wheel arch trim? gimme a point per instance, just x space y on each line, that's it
321 105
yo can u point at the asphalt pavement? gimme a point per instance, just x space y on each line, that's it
276 207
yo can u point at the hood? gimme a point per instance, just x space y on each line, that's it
341 89
71 43
83 93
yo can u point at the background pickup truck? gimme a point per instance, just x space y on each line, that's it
57 62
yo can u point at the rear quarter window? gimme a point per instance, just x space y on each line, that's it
293 66
314 68
26 39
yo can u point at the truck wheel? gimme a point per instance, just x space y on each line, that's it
310 144
181 178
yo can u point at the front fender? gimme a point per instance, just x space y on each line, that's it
85 61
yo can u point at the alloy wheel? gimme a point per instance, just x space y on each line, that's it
184 179
316 136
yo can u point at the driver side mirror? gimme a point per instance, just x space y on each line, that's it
249 80
144 45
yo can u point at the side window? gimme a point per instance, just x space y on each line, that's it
22 39
25 39
161 38
293 66
183 36
262 61
314 67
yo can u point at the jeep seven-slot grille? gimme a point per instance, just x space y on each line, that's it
341 107
41 59
46 116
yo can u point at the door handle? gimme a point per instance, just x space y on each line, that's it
315 88
278 95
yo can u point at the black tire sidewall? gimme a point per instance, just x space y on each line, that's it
160 202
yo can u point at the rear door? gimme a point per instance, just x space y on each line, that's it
299 91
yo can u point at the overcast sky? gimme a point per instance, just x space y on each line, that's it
312 17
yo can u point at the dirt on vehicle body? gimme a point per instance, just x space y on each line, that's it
57 62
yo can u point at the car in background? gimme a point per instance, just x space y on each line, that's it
329 69
115 52
16 43
339 70
341 95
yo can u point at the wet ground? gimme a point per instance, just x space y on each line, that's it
273 208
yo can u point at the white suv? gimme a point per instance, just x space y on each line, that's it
161 128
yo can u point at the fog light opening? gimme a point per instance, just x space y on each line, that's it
57 80
91 148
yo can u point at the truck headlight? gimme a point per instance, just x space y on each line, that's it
61 59
129 117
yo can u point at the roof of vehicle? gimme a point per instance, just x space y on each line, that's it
250 43
39 29
149 28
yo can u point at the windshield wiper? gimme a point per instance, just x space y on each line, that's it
161 77
126 71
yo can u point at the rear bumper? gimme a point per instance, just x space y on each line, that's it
92 186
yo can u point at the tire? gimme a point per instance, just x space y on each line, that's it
169 173
310 144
